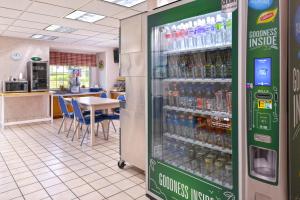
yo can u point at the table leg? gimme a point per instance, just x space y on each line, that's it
105 125
92 114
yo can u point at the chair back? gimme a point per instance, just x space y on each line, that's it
103 95
122 97
77 111
63 106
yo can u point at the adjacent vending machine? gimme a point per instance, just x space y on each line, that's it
193 141
267 102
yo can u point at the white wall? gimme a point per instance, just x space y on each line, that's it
29 48
109 74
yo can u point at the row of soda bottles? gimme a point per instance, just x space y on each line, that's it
207 163
214 131
212 64
199 96
203 32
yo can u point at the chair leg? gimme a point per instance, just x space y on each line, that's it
70 128
113 125
62 123
97 129
75 131
87 130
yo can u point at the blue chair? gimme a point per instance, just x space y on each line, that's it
84 119
116 112
103 95
66 114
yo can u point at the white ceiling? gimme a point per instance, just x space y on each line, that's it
23 18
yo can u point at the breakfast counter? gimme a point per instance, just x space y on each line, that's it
23 108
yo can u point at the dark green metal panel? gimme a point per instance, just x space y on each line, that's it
263 43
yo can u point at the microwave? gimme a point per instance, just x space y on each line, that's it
15 86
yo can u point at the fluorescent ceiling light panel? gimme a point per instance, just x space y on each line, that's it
126 3
43 37
60 29
84 16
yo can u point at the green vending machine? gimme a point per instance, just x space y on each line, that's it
192 102
266 72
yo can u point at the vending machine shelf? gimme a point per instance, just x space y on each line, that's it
202 49
199 80
202 144
200 112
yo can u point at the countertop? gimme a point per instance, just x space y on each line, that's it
25 94
76 94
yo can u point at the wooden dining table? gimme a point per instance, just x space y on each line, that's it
92 104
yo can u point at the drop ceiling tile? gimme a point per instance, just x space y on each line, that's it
23 30
16 34
75 4
38 18
66 40
15 4
142 7
86 42
102 8
3 27
85 32
100 28
7 21
96 39
28 24
43 8
106 36
126 13
108 21
10 13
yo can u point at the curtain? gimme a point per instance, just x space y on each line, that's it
72 59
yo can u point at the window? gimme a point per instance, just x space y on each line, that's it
60 76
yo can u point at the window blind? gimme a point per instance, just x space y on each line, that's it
72 59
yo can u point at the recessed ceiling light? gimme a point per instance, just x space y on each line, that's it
43 37
126 3
60 29
84 16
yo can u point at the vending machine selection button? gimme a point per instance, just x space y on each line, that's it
263 138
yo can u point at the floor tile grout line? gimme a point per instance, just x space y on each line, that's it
31 169
79 175
117 186
12 178
51 171
46 148
106 180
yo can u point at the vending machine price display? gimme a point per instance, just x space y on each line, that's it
263 71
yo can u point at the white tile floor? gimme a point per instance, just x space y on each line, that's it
37 163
